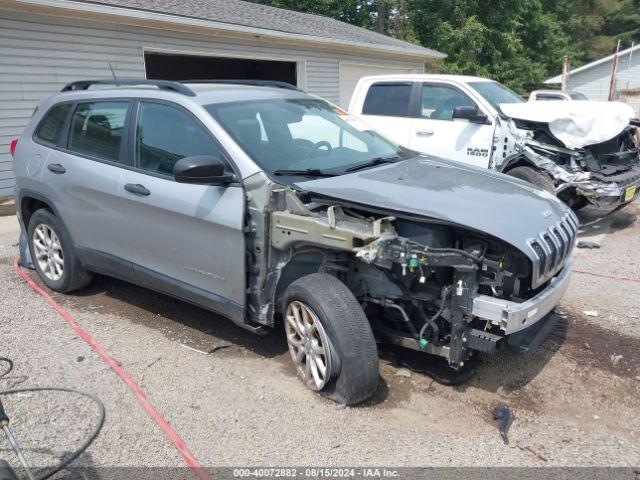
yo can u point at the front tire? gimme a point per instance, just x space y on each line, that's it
52 253
534 176
330 339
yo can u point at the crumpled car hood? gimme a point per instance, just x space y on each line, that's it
475 198
576 124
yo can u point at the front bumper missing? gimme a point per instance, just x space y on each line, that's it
611 192
604 194
513 317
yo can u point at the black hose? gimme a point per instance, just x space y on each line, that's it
443 297
89 440
7 370
436 251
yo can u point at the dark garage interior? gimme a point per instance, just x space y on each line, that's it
161 66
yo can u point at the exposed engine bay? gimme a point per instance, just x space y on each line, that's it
423 284
606 173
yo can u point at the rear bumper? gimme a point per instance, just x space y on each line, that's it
513 317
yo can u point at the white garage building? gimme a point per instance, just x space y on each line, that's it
45 44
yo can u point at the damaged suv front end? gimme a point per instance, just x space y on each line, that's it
443 258
447 280
592 155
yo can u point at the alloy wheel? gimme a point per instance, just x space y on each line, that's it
308 345
48 252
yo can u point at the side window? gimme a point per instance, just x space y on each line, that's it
51 125
97 128
165 134
438 101
547 97
388 99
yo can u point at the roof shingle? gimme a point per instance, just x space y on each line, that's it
244 13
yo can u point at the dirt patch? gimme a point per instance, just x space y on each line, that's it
179 321
597 347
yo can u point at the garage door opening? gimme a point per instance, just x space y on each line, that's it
160 66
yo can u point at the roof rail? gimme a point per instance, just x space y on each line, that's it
161 84
242 81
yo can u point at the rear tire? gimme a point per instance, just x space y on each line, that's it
350 352
534 176
577 203
52 253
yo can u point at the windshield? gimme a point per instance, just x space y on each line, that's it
496 93
578 96
302 135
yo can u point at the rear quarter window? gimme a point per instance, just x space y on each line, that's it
388 99
51 125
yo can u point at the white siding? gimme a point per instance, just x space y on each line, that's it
594 81
39 54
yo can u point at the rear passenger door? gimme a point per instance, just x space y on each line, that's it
389 108
186 240
82 170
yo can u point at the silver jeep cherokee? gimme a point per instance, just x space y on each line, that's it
260 202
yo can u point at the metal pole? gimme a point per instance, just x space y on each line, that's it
16 448
614 67
565 73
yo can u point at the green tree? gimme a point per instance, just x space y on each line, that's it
513 41
518 42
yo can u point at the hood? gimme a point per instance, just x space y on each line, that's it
495 204
576 124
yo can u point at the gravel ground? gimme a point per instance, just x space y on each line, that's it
576 402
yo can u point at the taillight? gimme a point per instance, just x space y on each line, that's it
12 146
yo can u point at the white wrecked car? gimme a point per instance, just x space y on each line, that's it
584 152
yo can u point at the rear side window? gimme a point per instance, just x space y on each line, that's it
544 96
97 128
51 125
165 134
388 99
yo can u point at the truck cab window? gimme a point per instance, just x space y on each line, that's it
388 99
438 102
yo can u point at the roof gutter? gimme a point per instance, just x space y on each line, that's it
135 17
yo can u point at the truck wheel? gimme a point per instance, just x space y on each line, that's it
578 203
52 253
330 339
534 176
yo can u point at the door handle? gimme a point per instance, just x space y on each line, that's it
56 168
137 189
424 133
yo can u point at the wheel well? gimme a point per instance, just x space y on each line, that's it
300 266
29 206
519 162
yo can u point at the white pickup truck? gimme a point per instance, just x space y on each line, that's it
584 152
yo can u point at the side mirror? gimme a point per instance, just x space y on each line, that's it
469 113
202 170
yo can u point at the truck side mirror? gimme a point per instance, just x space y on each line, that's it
469 113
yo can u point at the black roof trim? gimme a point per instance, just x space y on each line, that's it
178 87
255 83
161 84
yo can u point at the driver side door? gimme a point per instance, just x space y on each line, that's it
183 239
435 132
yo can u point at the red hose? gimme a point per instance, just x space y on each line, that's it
146 404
